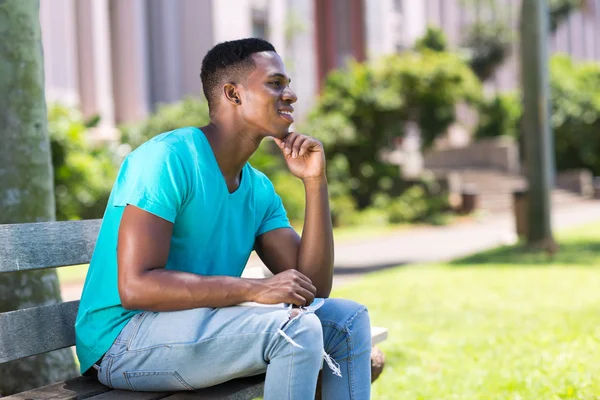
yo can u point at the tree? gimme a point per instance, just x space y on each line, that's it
536 121
26 191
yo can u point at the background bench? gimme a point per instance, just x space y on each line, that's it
38 330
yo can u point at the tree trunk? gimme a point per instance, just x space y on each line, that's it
26 189
536 122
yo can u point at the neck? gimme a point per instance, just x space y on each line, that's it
231 145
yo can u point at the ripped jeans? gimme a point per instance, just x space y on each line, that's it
193 349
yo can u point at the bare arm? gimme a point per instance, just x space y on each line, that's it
313 254
144 283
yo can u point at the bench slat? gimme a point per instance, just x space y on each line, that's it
127 395
46 244
237 389
37 330
378 335
74 389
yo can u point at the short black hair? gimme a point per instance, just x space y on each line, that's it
228 60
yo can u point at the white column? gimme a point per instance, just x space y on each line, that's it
57 19
102 60
414 20
278 20
383 28
232 19
95 77
130 59
197 31
301 52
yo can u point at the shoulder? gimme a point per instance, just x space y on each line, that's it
173 144
260 182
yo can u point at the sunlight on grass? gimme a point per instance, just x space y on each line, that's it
488 328
73 274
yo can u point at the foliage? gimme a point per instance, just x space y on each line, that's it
362 109
480 329
488 44
83 172
575 114
188 112
575 93
560 11
434 39
500 115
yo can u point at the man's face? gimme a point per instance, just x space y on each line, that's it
267 98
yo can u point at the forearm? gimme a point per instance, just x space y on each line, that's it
168 290
316 254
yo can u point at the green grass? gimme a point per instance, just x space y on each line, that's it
72 275
504 324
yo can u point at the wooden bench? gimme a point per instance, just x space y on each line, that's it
38 330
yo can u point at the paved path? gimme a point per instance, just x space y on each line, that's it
438 244
428 244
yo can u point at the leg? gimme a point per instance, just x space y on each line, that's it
203 347
347 339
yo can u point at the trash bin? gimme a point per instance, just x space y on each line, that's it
469 198
520 208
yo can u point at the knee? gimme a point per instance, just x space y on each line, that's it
346 313
308 333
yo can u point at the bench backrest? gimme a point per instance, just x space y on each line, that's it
37 330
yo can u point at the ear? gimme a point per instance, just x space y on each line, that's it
232 94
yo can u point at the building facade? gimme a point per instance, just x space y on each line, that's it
120 59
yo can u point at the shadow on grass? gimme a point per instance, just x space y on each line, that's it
366 268
573 252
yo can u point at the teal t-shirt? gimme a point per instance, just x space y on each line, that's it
176 177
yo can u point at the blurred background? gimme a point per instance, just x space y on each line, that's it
468 226
400 91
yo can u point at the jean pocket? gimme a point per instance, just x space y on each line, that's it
160 381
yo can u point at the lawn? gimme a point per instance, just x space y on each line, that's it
504 324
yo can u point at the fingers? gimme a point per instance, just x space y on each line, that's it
307 296
305 146
296 145
308 286
298 277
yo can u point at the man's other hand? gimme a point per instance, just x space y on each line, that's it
304 155
289 286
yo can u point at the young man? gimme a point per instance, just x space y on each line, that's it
160 306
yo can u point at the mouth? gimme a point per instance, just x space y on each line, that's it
287 115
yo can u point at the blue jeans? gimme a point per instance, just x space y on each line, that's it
193 349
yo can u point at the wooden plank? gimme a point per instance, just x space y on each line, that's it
127 395
74 389
378 335
46 244
37 330
237 389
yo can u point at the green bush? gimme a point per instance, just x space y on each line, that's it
488 45
575 114
575 93
362 109
500 116
434 39
83 173
190 111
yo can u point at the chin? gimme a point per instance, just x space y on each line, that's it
279 134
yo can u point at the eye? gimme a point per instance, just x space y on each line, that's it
275 83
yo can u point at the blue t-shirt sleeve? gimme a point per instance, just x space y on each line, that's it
153 178
276 216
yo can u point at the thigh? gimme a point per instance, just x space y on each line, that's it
191 349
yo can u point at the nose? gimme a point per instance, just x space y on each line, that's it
289 95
